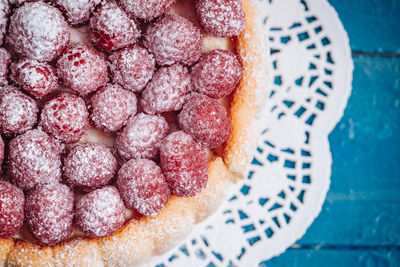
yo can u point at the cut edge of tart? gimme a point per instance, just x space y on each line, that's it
137 241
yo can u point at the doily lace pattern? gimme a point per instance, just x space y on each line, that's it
288 179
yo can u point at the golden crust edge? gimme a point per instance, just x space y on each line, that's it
139 240
250 96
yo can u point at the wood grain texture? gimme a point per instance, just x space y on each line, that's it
373 25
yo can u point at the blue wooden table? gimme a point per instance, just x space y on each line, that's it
360 221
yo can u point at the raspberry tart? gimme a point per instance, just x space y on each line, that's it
132 119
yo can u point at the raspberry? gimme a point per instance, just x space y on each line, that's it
172 39
5 60
141 137
142 186
1 151
36 78
112 107
4 11
112 29
38 31
18 112
206 120
49 213
146 9
76 12
216 74
184 163
34 159
167 90
12 201
65 116
19 2
100 212
132 67
89 166
82 69
220 17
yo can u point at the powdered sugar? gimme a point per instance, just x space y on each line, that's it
172 39
112 107
5 60
4 11
146 9
221 17
217 73
38 31
100 212
142 136
112 29
184 163
65 117
167 90
89 166
205 119
18 112
77 11
49 213
82 69
142 186
36 78
34 159
132 67
12 201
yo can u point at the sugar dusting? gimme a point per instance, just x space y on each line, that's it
167 90
146 9
132 67
141 137
38 31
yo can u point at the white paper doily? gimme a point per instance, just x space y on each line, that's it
311 73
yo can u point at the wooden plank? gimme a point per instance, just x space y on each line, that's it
336 257
365 145
373 25
363 204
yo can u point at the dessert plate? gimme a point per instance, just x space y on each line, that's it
288 179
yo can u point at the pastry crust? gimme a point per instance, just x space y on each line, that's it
139 240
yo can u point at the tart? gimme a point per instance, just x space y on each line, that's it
134 239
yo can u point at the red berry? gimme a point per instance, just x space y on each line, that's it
146 9
172 39
65 117
1 151
36 78
19 2
184 163
89 166
112 107
167 90
76 12
141 137
100 212
38 31
5 60
220 17
18 112
132 67
216 74
206 120
112 29
142 186
12 201
4 11
34 159
82 69
49 212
